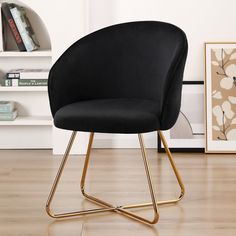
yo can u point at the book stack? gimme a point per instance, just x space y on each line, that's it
14 17
7 111
27 77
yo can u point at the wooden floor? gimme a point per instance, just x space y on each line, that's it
209 206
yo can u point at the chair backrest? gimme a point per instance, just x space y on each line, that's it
142 60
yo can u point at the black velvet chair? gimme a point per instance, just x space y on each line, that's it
125 78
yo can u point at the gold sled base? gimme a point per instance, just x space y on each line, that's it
107 206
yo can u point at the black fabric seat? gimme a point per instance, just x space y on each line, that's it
110 116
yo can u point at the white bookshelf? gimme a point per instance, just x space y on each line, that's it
33 126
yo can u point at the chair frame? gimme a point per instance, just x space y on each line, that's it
107 206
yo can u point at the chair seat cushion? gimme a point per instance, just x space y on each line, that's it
109 116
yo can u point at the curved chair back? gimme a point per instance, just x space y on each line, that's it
143 60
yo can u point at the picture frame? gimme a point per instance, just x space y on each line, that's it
220 97
187 135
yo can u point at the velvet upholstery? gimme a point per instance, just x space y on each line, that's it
126 78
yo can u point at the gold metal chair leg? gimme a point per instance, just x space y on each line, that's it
151 189
84 173
55 184
86 162
178 177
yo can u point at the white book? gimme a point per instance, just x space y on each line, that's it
1 29
25 29
34 74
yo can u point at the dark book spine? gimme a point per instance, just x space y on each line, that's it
13 75
11 23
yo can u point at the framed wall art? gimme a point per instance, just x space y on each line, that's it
187 135
220 97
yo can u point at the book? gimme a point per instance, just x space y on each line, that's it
25 82
10 82
6 106
28 74
25 29
8 116
11 23
1 30
5 28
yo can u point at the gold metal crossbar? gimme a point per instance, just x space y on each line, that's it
107 206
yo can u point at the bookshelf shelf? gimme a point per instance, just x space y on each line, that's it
24 89
29 121
38 53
